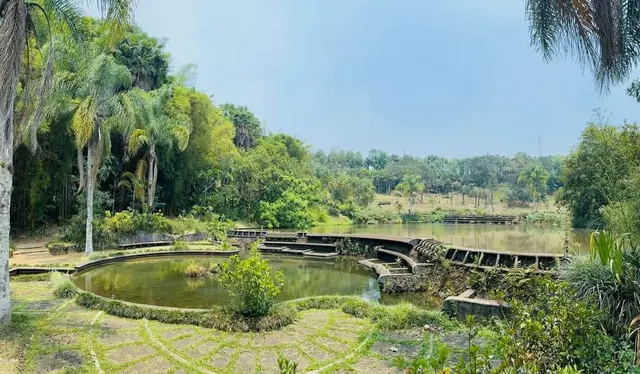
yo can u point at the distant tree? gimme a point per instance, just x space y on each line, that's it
146 59
411 186
377 159
465 189
534 178
248 127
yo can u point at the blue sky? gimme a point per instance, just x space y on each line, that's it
452 78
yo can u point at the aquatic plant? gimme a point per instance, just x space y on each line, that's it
251 284
194 270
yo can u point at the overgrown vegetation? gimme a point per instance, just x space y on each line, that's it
348 247
63 287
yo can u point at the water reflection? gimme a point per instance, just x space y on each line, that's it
515 238
163 282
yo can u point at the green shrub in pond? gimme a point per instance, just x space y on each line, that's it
251 283
194 270
63 287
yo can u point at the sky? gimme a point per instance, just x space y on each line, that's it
451 78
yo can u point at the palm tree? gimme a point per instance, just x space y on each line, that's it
534 178
135 183
602 35
157 129
17 25
411 186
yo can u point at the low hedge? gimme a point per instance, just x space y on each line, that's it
387 317
219 319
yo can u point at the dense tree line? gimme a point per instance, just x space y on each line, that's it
121 132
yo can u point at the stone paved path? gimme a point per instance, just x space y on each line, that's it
70 338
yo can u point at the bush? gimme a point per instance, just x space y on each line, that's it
546 219
251 284
375 216
561 329
217 318
194 270
63 287
436 216
179 245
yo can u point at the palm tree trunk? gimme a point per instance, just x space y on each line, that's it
13 36
81 170
6 179
152 176
88 248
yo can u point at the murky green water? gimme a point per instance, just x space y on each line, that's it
514 238
162 281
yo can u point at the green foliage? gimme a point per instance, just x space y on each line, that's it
194 270
219 319
251 284
180 245
436 216
375 215
347 247
299 206
560 329
609 286
534 178
287 367
603 170
63 287
546 219
31 277
248 127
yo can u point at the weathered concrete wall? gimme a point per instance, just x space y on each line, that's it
144 237
460 307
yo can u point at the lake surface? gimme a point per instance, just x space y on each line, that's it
515 238
162 281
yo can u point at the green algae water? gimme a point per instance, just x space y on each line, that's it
162 281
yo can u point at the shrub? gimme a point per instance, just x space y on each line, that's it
194 270
436 216
180 245
63 287
215 318
560 328
251 284
374 216
546 219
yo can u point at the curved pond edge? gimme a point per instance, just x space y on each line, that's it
108 260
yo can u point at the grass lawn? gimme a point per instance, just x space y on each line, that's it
56 335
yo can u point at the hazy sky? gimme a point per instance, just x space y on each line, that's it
453 78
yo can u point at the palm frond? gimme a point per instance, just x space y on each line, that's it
602 35
181 134
83 122
118 16
137 139
68 11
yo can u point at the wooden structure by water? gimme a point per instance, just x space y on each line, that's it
492 220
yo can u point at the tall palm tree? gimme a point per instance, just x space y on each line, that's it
96 95
602 35
534 178
157 129
17 25
411 186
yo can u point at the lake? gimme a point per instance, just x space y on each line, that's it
514 238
